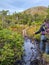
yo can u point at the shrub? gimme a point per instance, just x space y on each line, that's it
10 47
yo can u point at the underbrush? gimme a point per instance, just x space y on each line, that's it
10 47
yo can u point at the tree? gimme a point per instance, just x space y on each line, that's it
47 13
3 14
35 17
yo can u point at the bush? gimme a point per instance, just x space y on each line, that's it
10 47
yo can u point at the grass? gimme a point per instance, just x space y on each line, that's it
46 56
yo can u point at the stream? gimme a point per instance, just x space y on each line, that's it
32 54
30 51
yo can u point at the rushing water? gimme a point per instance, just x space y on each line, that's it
30 51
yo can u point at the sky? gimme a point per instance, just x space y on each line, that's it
21 5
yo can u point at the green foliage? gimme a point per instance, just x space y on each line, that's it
46 57
20 18
11 42
48 13
10 47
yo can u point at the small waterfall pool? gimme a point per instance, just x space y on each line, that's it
30 51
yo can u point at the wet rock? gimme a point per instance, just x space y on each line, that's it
34 62
18 62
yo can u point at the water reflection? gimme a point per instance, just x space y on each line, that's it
28 46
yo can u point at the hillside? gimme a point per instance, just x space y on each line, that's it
41 10
14 27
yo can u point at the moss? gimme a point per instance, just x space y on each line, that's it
46 56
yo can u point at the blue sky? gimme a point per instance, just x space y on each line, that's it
21 5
